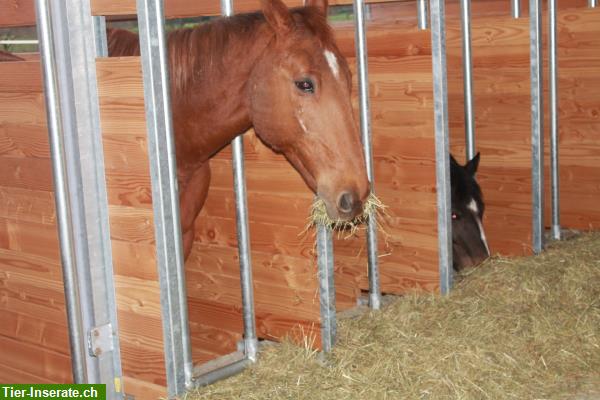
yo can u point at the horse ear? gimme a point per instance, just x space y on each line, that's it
453 160
320 5
278 16
472 165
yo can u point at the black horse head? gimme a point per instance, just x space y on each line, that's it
469 245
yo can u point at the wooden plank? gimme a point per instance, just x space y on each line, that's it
182 8
142 389
21 76
44 334
44 364
34 206
19 139
23 125
35 239
139 314
131 224
17 13
10 374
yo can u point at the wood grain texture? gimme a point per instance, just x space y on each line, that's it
131 225
503 129
579 120
33 336
17 13
183 8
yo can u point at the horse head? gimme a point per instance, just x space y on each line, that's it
299 101
469 244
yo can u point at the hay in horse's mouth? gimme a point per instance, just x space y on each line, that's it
319 216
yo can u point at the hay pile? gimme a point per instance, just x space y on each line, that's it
318 216
514 329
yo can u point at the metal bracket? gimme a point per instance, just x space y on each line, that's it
100 340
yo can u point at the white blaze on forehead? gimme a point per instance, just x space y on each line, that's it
473 207
332 61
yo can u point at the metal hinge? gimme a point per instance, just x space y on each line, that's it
100 340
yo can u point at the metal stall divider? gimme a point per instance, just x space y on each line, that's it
465 18
515 8
553 89
537 124
422 14
365 128
592 3
243 235
82 206
165 199
442 154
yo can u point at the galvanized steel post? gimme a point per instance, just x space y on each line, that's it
64 215
422 14
465 17
553 83
326 287
165 197
515 8
442 155
365 128
243 234
537 124
75 30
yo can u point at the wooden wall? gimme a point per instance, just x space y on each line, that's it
129 192
33 332
500 50
579 119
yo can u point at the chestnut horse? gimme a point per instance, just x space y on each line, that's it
279 72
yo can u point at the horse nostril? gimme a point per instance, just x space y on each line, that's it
347 201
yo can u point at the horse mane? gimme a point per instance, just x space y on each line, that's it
195 51
6 56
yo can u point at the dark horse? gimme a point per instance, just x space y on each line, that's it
279 72
469 245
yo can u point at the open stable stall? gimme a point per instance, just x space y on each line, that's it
500 56
287 297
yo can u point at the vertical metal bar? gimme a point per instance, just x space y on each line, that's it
465 7
165 198
422 14
61 192
537 124
515 8
365 128
553 82
100 41
442 155
74 30
592 3
243 235
326 287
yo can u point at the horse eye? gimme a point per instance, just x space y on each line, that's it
305 85
455 216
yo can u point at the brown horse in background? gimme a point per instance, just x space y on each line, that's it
5 56
278 71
